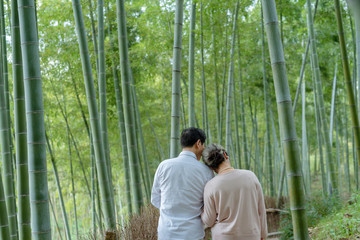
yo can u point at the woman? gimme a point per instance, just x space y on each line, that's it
233 200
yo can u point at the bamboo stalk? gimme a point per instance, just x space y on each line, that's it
128 107
20 129
347 75
176 78
57 180
230 80
288 132
120 112
4 222
192 65
39 196
104 179
268 157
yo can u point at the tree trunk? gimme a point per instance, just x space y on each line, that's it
57 180
102 94
176 80
20 129
320 100
4 222
120 112
39 196
288 131
128 107
230 80
348 83
204 96
268 157
104 178
192 66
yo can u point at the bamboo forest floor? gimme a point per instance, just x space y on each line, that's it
328 219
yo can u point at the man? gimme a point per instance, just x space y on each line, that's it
178 190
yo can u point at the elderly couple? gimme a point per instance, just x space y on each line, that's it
189 196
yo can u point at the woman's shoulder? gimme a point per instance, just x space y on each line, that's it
245 172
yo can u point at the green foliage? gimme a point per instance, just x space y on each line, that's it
341 224
327 216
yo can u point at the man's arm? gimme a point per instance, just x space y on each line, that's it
156 192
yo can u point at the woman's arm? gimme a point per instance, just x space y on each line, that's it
208 215
262 211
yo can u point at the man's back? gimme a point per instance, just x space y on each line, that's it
178 193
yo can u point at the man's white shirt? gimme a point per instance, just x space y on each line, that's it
178 192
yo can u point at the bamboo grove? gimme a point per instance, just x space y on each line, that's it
94 97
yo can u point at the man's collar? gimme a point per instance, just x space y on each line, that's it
188 153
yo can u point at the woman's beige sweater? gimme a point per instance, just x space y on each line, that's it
234 206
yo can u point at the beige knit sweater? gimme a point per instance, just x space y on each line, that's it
234 207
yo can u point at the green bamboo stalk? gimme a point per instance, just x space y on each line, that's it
332 112
182 108
161 152
93 189
348 83
57 180
228 130
217 100
72 184
20 129
192 65
102 82
344 133
268 157
79 102
237 134
104 178
55 219
302 70
141 141
102 97
127 104
5 132
204 95
357 32
93 35
354 59
119 107
288 131
4 222
176 78
166 114
5 75
223 84
39 196
305 154
278 150
320 99
338 154
257 165
245 148
71 168
63 113
319 134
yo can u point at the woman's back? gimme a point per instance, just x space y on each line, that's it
234 206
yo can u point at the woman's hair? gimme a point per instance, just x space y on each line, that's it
213 155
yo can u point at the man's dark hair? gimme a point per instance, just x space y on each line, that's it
190 136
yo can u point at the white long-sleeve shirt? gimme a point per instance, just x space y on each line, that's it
178 192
